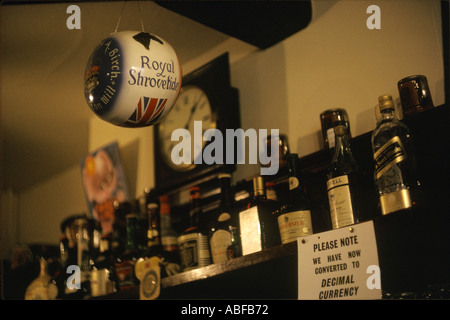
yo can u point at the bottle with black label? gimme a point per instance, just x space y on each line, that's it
395 176
344 182
258 224
124 263
294 218
193 242
220 233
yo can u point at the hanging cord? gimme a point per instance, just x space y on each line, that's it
140 16
120 17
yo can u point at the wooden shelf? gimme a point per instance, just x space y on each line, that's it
239 263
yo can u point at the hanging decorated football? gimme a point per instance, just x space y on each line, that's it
132 79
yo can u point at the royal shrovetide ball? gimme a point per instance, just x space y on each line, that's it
132 79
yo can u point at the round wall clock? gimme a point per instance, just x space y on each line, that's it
192 105
206 96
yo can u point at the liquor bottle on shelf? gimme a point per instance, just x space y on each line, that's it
344 182
270 190
220 233
124 263
193 242
415 95
395 175
168 234
294 218
104 259
258 223
100 276
42 288
234 250
154 246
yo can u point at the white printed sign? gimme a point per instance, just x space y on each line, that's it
339 264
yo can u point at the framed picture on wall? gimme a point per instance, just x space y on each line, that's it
104 182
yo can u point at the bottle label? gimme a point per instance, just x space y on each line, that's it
125 274
220 241
294 224
395 201
194 251
340 202
391 153
250 230
170 243
330 136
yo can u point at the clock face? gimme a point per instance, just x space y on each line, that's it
192 105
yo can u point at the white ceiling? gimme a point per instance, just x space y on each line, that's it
44 115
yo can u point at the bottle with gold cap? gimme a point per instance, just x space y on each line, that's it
258 223
395 174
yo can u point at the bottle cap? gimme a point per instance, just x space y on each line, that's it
415 94
194 192
386 102
258 185
224 175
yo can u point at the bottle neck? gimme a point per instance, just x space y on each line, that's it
131 232
295 186
387 114
342 148
259 189
195 211
226 199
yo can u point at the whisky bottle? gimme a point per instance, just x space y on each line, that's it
168 234
220 233
124 263
193 242
394 175
258 223
234 250
294 218
100 276
154 246
42 288
344 182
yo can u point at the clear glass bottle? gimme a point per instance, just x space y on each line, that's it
344 182
258 224
193 242
395 176
294 218
220 233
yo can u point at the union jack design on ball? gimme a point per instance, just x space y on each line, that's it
148 110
